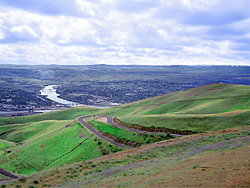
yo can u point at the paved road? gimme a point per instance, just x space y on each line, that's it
81 120
110 121
8 174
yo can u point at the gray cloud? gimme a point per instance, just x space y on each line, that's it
48 7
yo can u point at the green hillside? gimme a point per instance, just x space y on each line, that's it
5 146
39 142
48 144
206 108
66 114
214 159
208 99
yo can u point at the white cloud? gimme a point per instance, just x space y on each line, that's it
86 7
24 31
115 32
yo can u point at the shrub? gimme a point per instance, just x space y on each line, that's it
31 186
22 179
35 181
86 173
168 135
80 165
196 166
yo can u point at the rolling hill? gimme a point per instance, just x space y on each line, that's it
49 141
206 108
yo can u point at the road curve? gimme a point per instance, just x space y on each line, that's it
110 121
81 120
8 174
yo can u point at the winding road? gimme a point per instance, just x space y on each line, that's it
110 121
81 120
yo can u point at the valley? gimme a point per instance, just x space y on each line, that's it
170 134
105 85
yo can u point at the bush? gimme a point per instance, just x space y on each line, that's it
168 135
22 179
31 186
196 166
86 173
35 181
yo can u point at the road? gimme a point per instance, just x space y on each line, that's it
110 121
8 174
81 120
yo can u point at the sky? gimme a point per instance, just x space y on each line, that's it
125 32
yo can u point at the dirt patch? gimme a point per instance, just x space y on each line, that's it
101 119
82 135
42 146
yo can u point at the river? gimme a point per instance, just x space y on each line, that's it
50 92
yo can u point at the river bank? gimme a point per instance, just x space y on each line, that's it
50 92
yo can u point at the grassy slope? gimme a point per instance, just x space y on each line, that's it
5 146
128 135
216 159
44 141
206 108
209 99
195 123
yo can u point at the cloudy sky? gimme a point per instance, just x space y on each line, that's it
146 32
